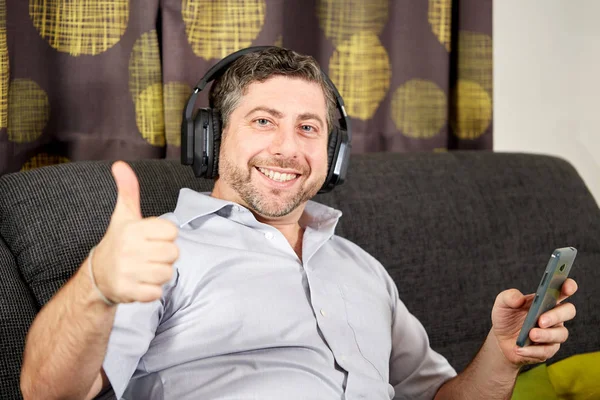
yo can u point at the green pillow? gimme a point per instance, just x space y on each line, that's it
574 378
534 384
577 377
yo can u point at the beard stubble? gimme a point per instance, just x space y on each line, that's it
241 181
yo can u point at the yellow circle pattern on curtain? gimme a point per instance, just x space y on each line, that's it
4 67
419 109
145 86
475 58
176 95
80 27
359 66
28 111
144 63
473 110
216 28
440 18
473 95
360 69
149 114
340 19
43 160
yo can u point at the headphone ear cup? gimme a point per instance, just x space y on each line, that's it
215 127
332 147
201 154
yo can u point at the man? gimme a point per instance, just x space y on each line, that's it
247 293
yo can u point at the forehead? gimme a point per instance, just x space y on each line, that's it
287 94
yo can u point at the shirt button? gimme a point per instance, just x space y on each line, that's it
269 235
322 312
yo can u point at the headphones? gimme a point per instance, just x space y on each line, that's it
201 134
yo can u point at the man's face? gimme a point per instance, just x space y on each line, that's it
273 154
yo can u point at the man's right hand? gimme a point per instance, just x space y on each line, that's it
136 255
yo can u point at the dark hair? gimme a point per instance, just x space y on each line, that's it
227 91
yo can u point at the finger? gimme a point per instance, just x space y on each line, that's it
147 292
561 313
154 228
549 335
568 289
159 252
128 192
155 274
538 352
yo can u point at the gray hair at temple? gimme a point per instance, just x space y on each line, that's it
227 91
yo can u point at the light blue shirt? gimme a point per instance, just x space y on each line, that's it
244 318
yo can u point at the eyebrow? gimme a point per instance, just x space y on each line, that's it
311 116
279 114
272 111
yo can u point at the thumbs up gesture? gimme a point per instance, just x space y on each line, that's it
136 255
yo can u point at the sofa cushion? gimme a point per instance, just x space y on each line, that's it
52 217
17 310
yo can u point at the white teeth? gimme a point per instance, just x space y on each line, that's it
277 176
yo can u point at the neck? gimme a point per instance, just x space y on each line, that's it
288 225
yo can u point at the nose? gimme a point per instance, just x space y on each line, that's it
284 143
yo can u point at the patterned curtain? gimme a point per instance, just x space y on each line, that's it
107 79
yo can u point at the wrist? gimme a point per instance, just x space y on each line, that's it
90 270
87 295
501 364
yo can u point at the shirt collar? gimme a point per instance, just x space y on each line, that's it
192 205
319 217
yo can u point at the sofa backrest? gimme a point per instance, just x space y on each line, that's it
452 229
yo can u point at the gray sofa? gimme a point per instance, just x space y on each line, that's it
453 230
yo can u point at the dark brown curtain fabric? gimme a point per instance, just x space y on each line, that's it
108 79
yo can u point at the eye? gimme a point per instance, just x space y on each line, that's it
262 121
308 128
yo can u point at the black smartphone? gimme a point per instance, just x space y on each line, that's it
548 291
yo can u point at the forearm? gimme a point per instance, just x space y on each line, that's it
489 376
67 342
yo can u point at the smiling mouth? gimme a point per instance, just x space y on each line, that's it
276 175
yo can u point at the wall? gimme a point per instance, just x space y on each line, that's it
547 81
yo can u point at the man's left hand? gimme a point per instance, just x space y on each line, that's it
508 315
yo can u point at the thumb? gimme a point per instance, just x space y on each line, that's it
511 298
128 191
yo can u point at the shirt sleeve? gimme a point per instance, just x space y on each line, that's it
132 332
416 370
133 329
